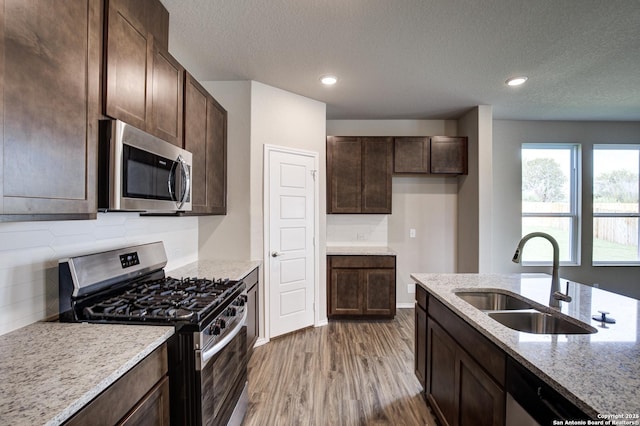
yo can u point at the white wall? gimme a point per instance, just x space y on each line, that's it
29 254
285 119
229 236
508 137
475 207
426 204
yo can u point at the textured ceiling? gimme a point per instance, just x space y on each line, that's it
423 58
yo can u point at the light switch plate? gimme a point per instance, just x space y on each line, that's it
412 233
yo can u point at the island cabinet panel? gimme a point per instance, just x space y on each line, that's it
361 286
205 136
359 171
432 155
420 341
49 108
465 373
140 397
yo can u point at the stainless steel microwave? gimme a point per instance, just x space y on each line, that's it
140 172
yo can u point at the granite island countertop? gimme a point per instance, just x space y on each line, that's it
359 251
599 372
50 370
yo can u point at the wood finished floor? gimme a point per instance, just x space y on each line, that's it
345 373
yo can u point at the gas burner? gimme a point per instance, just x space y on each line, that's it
165 300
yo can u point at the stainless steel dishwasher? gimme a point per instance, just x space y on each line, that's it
532 402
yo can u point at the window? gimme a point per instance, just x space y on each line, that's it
550 201
616 205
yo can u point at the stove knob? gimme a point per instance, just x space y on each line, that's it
240 301
231 312
222 323
215 330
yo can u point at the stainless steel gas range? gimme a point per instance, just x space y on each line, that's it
207 354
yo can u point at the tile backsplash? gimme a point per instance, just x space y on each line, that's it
29 254
357 230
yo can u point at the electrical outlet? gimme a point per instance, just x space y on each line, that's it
412 233
360 236
411 288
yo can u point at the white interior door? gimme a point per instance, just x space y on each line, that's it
291 252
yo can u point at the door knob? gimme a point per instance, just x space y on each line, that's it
276 254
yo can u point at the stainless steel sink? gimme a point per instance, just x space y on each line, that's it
540 322
493 301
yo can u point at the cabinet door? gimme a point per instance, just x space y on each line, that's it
205 136
128 57
481 402
153 409
377 165
216 157
420 341
379 292
49 107
344 175
252 318
167 82
449 155
441 373
195 140
411 155
346 292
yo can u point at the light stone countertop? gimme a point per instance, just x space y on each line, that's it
359 251
232 269
50 370
600 372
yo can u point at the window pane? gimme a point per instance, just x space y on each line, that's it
615 239
539 249
615 182
546 180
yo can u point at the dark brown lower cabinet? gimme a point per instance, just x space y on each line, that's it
140 397
253 310
458 389
361 286
462 372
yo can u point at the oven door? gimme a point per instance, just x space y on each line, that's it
222 379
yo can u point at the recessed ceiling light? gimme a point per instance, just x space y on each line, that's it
516 81
329 80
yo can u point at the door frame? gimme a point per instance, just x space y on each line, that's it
266 231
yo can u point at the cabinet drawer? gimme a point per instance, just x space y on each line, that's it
362 261
118 399
488 355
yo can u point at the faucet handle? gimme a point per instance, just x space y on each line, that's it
558 295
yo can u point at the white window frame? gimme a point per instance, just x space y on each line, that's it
575 185
613 215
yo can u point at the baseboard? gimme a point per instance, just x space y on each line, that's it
404 305
321 323
261 341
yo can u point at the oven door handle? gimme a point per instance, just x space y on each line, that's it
203 357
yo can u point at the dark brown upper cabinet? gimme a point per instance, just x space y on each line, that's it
359 173
49 108
431 155
205 136
144 82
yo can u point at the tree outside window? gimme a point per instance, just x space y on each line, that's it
549 200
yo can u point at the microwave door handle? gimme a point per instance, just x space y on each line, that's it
185 181
171 180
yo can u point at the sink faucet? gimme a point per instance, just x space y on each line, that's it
555 294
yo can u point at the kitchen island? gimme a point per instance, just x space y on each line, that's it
599 372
